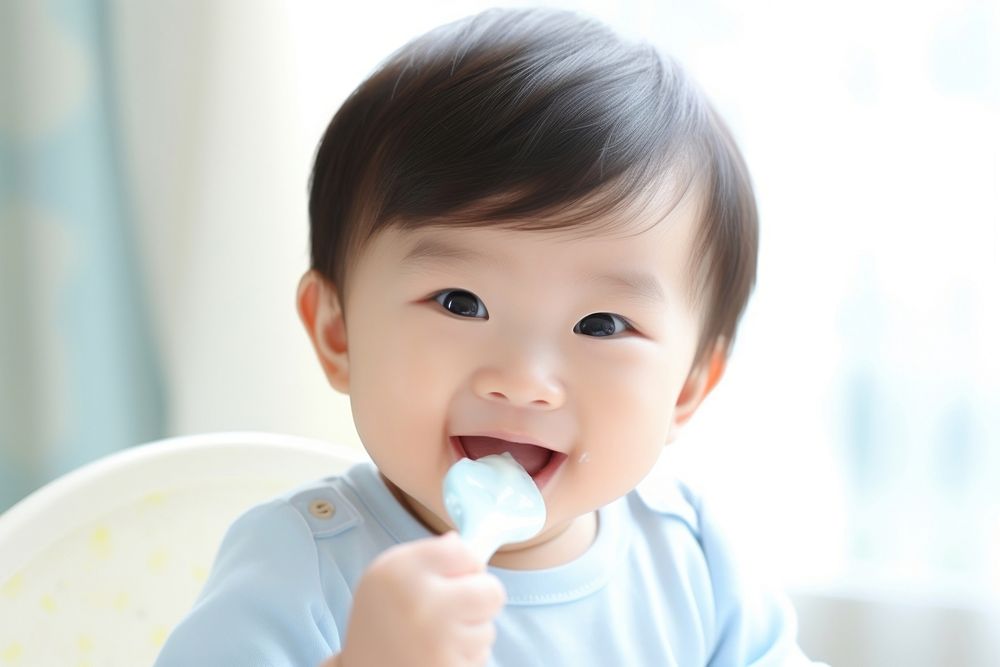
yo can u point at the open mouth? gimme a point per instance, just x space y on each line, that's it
539 462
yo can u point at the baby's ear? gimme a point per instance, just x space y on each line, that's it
699 383
322 316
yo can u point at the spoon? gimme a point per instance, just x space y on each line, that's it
493 502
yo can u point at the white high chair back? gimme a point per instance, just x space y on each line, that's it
98 566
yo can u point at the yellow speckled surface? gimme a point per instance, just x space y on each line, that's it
109 592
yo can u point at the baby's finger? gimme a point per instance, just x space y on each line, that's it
480 658
474 598
447 555
475 642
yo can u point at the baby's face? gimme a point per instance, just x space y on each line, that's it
525 336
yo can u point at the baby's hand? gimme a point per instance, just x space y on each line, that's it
428 603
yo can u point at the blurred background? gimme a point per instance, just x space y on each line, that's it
153 180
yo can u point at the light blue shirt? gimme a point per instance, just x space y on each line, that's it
658 587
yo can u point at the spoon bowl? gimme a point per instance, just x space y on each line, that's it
493 502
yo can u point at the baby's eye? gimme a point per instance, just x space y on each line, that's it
600 325
466 304
460 302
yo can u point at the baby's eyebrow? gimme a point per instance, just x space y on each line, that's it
429 250
639 284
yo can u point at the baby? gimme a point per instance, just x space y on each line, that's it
529 236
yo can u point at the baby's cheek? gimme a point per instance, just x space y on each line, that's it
431 350
640 401
628 428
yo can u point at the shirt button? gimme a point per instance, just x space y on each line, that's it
322 509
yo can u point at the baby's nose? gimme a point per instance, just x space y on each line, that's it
522 387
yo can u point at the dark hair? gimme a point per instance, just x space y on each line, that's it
532 119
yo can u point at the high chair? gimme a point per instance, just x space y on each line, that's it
98 566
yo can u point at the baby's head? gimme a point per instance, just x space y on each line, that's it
526 228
